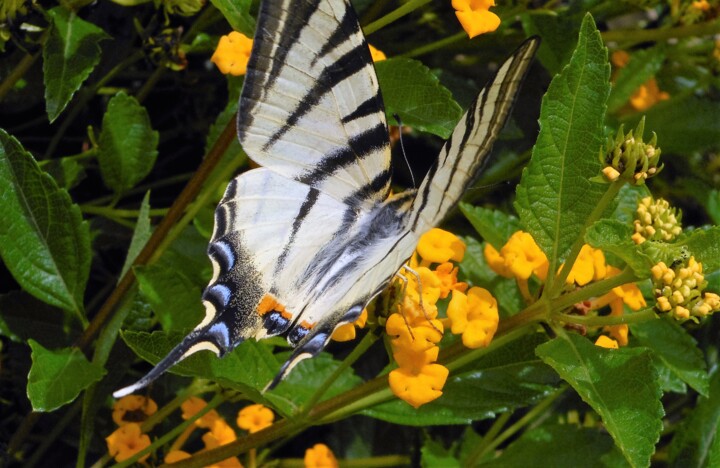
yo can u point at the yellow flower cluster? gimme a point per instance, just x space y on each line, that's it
320 456
627 294
519 258
129 439
656 220
415 329
347 332
679 291
475 16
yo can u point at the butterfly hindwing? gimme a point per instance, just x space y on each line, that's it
311 108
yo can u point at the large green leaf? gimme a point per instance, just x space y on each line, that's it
70 54
676 349
140 236
692 445
643 65
248 368
57 377
612 236
494 226
560 445
173 297
704 244
44 241
619 384
237 13
411 90
306 378
128 144
555 197
508 378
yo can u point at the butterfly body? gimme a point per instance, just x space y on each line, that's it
301 245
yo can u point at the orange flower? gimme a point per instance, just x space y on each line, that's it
605 342
346 332
589 266
475 315
438 246
192 406
424 335
176 455
126 441
648 95
220 434
320 456
254 418
520 257
376 54
475 16
418 386
133 408
232 53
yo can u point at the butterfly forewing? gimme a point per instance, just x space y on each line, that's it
311 108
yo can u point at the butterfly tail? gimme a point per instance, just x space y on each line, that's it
212 338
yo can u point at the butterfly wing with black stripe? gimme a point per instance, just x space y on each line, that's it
311 108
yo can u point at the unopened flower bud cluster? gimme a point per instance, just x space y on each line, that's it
679 291
628 157
656 220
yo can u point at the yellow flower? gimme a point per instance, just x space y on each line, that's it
620 58
176 455
409 358
320 456
430 285
346 332
254 418
475 315
418 386
126 441
606 342
648 95
701 5
133 408
475 16
376 54
447 274
589 266
414 313
192 406
232 53
520 257
220 434
424 335
438 246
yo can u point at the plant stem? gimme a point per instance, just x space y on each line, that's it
394 15
592 290
435 45
634 36
594 321
487 439
18 72
555 284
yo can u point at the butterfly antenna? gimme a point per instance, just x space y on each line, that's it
402 148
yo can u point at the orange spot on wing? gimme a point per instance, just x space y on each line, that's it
269 303
307 325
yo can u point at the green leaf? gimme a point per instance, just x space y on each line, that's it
676 349
508 378
494 226
44 241
704 244
140 236
473 267
432 453
692 444
306 378
237 14
555 197
173 297
613 237
683 125
558 33
643 65
559 445
412 91
248 368
22 317
70 54
67 172
619 384
57 377
627 202
127 144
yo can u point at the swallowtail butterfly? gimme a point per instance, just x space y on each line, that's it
301 245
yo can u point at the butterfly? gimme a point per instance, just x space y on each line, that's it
302 244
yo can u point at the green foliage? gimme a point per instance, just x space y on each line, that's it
46 245
555 197
128 144
70 54
411 90
602 378
139 162
57 377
